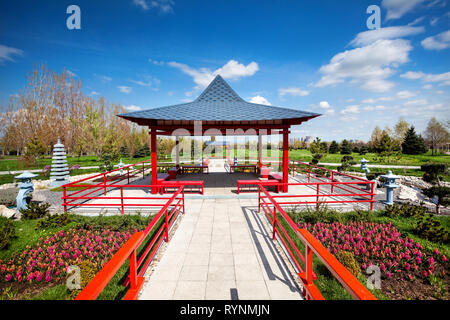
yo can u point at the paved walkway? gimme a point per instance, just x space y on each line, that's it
221 250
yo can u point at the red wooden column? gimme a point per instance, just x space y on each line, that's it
285 159
259 151
154 161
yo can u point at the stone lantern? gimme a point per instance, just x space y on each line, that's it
366 170
26 187
390 185
60 170
120 165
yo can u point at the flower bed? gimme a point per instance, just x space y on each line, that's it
48 260
401 260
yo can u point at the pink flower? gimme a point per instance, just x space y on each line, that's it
436 251
8 277
444 259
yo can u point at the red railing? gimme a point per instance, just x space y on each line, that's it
149 239
89 188
312 245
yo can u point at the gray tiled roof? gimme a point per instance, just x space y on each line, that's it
219 102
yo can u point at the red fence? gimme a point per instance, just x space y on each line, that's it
148 241
275 214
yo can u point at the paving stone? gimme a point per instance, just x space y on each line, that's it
194 273
220 290
190 290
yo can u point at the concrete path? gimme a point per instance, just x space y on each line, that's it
222 250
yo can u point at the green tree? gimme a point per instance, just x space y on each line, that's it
346 147
387 147
334 147
413 143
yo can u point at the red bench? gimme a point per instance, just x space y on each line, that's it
252 183
173 173
187 184
276 176
265 171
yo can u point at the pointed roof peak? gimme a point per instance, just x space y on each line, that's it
218 91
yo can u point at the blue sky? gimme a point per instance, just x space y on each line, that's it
309 55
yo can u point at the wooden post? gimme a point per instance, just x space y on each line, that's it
259 151
285 160
177 149
133 270
154 161
274 221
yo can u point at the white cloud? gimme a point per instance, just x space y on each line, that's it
371 36
397 8
231 70
164 6
350 109
6 53
103 78
95 93
260 100
437 42
369 66
442 78
405 94
324 104
142 83
293 92
416 103
155 62
133 108
124 89
428 86
434 21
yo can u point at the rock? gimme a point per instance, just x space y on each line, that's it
6 212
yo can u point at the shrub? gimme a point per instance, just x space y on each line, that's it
430 228
7 232
442 194
404 210
35 211
348 261
8 197
57 220
432 171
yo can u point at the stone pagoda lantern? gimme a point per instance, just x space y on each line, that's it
26 187
390 185
366 170
59 173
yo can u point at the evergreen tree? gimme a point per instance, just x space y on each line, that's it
413 143
346 147
334 147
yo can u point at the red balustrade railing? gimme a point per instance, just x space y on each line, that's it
149 239
275 213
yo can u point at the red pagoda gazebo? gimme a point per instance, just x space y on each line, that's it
220 111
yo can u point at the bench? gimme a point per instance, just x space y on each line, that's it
232 167
264 171
173 173
276 176
252 183
202 167
176 184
